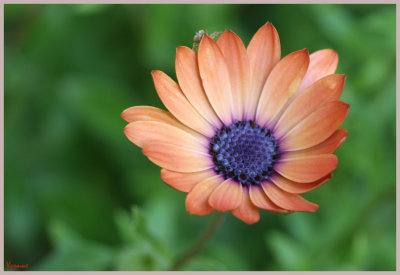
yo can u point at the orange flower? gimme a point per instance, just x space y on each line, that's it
245 129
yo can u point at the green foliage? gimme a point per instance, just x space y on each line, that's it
72 252
140 250
71 176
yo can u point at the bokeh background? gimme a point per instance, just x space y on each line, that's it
80 196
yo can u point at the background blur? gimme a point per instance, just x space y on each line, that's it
80 196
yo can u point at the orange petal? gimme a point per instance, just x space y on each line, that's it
260 199
149 113
187 72
177 158
283 81
173 98
226 196
322 63
264 52
197 199
287 200
146 113
237 62
308 168
316 127
143 132
215 76
247 212
326 89
297 187
184 182
327 147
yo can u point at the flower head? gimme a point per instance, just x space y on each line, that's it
245 128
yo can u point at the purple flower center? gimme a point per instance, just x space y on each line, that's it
245 152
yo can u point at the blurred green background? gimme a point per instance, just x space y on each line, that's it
80 196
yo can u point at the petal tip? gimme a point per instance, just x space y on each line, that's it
301 54
125 130
342 80
228 31
155 73
198 212
346 106
313 208
128 133
332 52
206 39
268 25
250 220
335 161
181 53
182 49
124 115
163 174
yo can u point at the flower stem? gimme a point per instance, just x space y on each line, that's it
200 243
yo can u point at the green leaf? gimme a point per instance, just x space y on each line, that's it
141 249
72 252
141 256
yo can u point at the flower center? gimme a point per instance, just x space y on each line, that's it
245 152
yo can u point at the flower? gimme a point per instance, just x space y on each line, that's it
246 130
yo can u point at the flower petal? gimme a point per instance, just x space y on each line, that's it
260 199
308 168
316 127
226 196
287 200
197 199
264 51
187 72
327 147
149 113
237 62
297 187
283 81
247 212
143 132
215 76
173 98
324 90
322 63
184 182
177 158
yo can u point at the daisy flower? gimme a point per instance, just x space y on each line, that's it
245 129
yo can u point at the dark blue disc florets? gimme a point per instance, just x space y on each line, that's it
245 152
